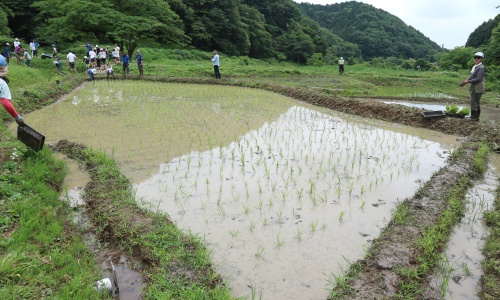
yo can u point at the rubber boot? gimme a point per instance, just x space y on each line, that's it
474 115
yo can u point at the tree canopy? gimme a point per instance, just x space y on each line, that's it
279 29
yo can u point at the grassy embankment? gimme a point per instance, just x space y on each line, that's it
42 252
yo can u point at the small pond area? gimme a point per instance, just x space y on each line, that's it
284 194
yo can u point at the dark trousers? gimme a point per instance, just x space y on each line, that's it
475 108
341 69
216 71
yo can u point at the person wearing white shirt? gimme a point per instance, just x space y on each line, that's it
92 55
215 61
71 59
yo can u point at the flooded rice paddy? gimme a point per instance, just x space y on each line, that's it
284 194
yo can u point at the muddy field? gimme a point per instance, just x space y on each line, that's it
378 277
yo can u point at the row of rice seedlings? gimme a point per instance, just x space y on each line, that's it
277 175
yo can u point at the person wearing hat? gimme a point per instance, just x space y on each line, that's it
16 42
5 95
476 88
6 52
341 65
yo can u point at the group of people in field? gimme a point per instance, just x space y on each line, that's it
20 53
101 60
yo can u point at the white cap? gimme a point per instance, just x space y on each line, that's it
480 54
341 57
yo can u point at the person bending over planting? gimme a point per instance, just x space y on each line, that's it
5 96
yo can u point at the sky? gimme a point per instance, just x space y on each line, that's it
446 22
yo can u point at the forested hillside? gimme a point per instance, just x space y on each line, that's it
375 31
279 29
482 35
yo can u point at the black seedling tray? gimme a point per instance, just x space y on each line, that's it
30 137
433 114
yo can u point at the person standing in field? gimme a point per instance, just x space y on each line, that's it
5 95
125 61
92 57
6 52
32 48
16 43
89 47
35 53
54 50
476 88
116 55
71 60
216 63
341 66
138 57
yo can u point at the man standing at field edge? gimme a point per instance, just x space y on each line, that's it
215 61
477 88
341 66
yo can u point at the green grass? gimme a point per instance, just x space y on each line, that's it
40 256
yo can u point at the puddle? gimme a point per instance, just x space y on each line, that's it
488 113
282 192
128 281
461 269
74 182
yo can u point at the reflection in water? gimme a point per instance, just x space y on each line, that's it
288 204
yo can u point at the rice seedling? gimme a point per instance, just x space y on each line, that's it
313 226
341 216
280 242
260 251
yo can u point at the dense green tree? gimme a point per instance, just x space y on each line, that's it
492 55
458 58
215 24
316 60
260 40
21 18
4 21
128 26
296 45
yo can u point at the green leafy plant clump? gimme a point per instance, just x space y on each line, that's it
453 109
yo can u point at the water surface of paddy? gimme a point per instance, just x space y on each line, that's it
284 193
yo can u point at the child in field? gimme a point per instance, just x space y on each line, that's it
5 95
